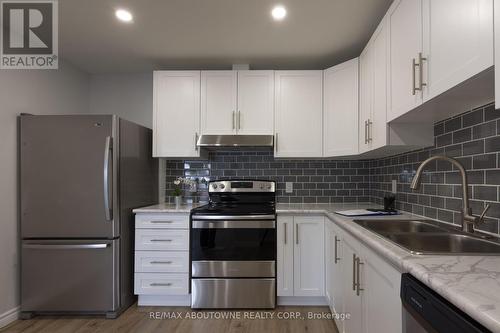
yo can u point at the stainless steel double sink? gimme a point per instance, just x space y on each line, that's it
429 237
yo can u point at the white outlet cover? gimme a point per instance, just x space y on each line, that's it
394 186
289 187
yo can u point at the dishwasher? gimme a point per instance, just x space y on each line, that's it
426 311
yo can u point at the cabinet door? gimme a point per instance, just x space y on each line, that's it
340 109
255 102
328 265
352 302
365 97
497 53
380 281
285 256
218 102
299 113
458 42
337 274
377 131
405 25
309 267
176 113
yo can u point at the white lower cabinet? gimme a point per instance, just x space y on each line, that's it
162 259
361 284
333 271
300 256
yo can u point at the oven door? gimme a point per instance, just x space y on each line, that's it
233 240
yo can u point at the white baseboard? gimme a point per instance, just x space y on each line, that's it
162 300
8 317
302 300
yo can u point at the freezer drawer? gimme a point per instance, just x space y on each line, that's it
233 293
70 276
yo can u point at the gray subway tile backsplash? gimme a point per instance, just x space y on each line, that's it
473 138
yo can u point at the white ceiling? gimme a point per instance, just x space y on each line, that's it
213 34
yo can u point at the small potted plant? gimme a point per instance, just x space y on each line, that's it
177 192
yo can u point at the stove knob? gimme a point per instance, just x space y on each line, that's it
222 186
269 186
214 186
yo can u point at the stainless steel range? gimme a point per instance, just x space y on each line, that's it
233 246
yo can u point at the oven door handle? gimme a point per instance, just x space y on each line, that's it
233 217
233 224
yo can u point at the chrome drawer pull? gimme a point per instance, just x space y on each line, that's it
162 221
336 259
358 279
161 262
161 240
160 284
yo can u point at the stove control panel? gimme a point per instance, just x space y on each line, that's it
242 186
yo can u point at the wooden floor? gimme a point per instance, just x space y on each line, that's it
139 319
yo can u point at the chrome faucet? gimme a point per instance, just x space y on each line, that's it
469 221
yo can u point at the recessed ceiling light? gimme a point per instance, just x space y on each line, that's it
278 13
123 15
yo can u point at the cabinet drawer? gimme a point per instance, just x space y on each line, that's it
161 283
154 239
166 262
162 221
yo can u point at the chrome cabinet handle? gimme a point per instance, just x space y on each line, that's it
413 68
160 284
108 200
358 276
166 221
161 240
234 123
366 132
297 234
161 262
284 233
336 258
369 122
276 141
239 120
353 271
421 60
196 141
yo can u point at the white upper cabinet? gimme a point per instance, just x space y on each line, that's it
373 92
457 43
434 46
176 113
299 114
340 109
218 102
365 97
377 129
255 102
405 43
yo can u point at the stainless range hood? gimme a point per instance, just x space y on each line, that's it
225 141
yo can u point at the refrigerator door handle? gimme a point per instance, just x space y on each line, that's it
108 201
42 246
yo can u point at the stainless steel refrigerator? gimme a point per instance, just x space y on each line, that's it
80 178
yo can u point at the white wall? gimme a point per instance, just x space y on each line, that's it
127 95
62 91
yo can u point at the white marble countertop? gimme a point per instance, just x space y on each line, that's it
472 283
166 207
